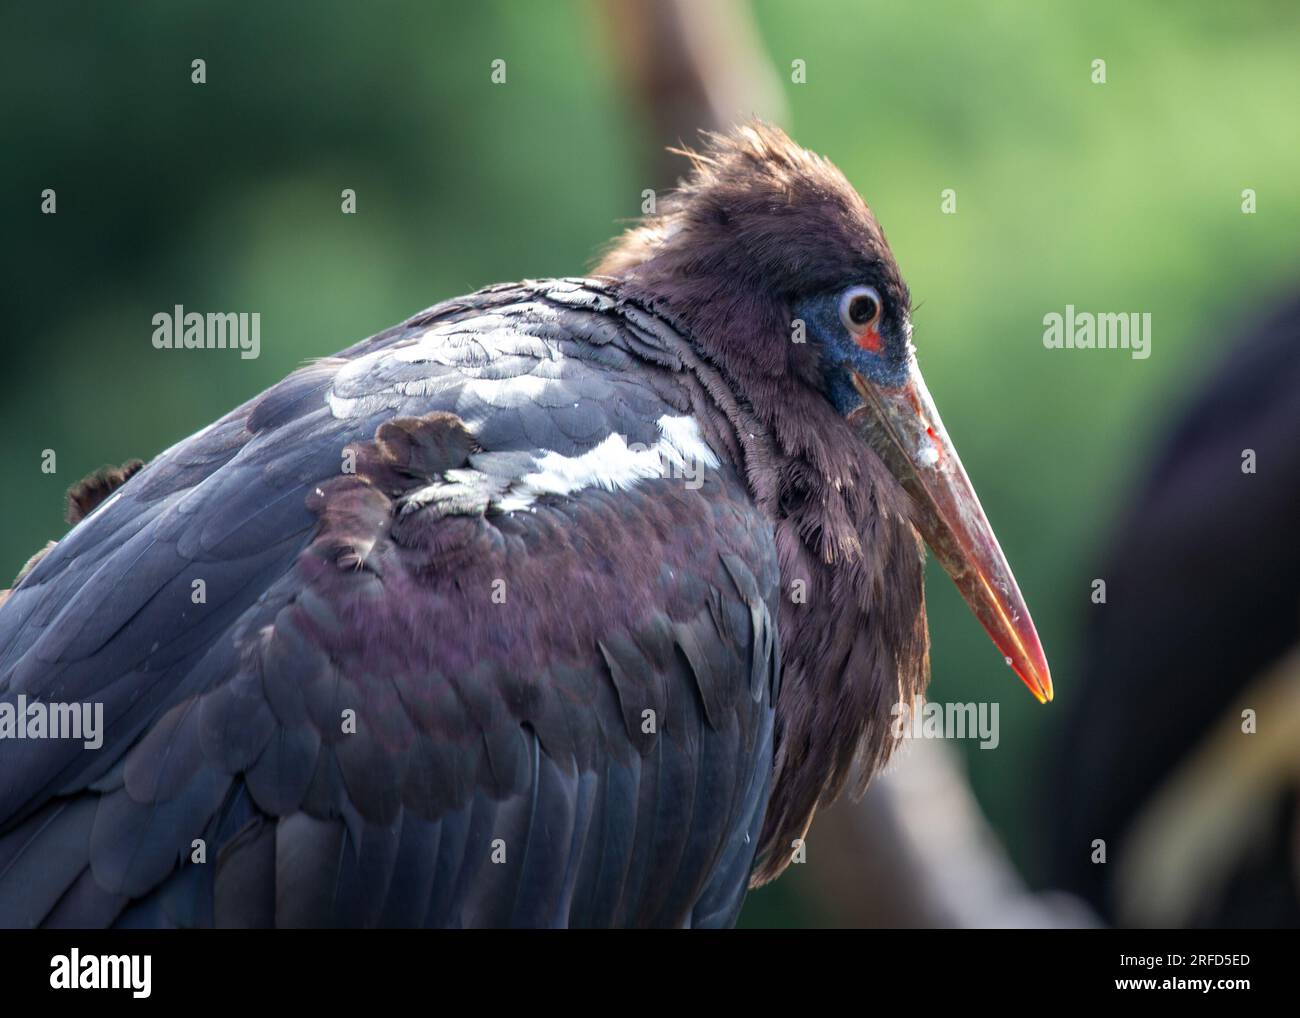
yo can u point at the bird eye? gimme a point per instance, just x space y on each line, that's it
860 308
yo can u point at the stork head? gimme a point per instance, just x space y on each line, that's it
784 275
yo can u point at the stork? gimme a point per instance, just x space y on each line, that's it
564 603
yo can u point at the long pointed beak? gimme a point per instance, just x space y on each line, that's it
904 428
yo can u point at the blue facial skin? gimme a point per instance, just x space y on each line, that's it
888 368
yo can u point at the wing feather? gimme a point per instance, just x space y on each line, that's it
443 671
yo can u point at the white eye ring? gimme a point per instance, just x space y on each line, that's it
861 308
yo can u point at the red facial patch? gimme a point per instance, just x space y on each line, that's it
869 339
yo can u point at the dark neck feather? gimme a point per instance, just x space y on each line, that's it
853 633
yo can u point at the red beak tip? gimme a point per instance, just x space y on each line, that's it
1037 680
1041 686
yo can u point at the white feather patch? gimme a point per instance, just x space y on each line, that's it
613 465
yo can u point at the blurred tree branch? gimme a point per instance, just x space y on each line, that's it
690 66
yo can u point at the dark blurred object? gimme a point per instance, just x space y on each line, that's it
1202 622
690 66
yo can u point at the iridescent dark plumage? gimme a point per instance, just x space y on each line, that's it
762 224
585 691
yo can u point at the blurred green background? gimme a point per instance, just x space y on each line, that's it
1117 197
